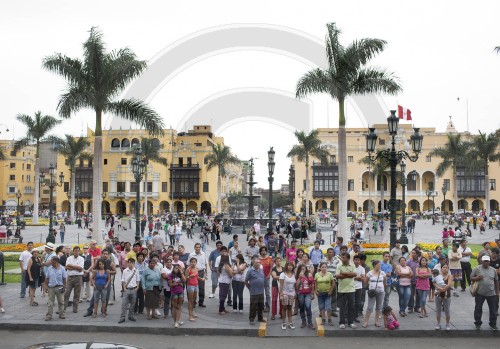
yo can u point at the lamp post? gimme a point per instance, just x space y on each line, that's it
138 167
18 196
393 157
52 183
270 167
403 239
103 195
444 190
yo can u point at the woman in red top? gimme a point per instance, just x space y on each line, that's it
191 274
305 294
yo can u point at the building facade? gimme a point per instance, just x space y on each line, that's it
368 191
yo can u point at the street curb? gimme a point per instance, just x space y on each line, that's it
485 333
168 331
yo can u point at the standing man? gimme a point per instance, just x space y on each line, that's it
74 268
487 279
465 264
24 259
386 267
201 264
251 250
213 269
346 273
316 256
332 262
396 254
55 282
254 280
413 262
338 244
130 283
256 227
495 263
157 243
267 264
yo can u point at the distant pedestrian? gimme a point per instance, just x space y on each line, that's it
254 280
488 290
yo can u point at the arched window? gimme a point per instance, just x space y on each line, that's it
136 142
125 143
115 143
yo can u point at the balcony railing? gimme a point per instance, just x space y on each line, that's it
471 194
184 166
184 195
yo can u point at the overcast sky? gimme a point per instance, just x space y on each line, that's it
440 50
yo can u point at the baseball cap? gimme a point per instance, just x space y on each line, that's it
486 258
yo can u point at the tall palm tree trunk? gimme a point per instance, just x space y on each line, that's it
307 186
455 191
37 190
219 190
97 182
146 190
342 221
487 189
72 189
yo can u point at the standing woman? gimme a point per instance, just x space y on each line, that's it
422 285
275 274
140 265
100 281
405 275
178 231
324 290
151 283
443 297
238 282
305 293
287 294
62 231
225 273
192 286
376 281
33 275
176 281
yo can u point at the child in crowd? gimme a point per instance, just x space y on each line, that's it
438 279
390 320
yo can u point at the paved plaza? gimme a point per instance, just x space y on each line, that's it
20 316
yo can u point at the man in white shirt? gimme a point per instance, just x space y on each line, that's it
465 264
130 283
74 269
157 242
24 259
358 286
256 227
201 264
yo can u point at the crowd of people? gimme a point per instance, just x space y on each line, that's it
157 278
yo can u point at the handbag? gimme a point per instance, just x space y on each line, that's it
373 292
473 288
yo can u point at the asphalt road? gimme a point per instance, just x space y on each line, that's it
21 339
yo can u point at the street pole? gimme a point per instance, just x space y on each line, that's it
138 167
270 166
51 184
403 239
393 157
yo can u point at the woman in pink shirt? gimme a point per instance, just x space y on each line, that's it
422 285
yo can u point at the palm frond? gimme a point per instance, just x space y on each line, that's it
70 68
359 52
373 80
124 67
314 81
138 112
74 99
2 155
333 48
22 143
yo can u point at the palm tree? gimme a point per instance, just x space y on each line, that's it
484 151
453 154
73 150
380 168
150 151
94 82
347 75
309 146
38 128
2 155
221 157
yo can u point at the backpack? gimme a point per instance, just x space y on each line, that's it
271 243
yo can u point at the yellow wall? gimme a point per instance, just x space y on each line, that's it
356 148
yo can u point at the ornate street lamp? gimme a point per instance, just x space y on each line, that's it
270 167
403 239
138 167
52 183
18 196
444 190
393 157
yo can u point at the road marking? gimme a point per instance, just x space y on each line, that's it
320 328
262 329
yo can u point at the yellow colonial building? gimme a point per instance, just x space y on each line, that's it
17 177
364 187
183 184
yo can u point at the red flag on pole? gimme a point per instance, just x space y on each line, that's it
404 113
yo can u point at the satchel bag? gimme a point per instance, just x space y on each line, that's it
473 288
373 292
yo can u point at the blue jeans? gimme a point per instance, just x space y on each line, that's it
422 294
61 235
305 307
166 302
23 283
404 297
325 301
